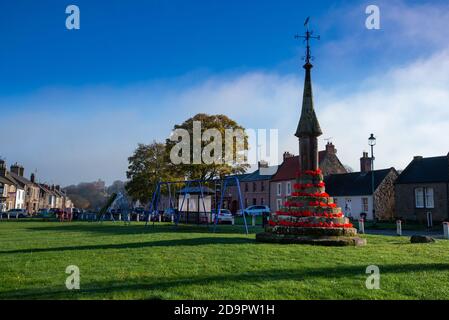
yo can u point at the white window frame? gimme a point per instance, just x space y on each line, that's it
429 201
419 198
289 188
278 204
365 204
279 189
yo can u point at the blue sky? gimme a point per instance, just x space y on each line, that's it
74 104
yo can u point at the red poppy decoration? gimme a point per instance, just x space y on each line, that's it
314 204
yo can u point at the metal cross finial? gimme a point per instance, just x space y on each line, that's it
308 35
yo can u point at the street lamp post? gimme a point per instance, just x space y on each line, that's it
372 143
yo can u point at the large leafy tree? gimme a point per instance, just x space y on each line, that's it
146 167
207 171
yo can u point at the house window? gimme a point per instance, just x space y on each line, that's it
429 197
262 186
278 204
365 205
262 201
336 201
419 197
246 202
289 188
424 198
246 187
254 201
279 188
254 187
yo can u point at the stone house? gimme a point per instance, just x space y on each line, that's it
281 184
231 197
15 190
4 189
256 186
353 193
47 198
422 190
31 189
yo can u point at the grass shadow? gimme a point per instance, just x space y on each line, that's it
137 245
163 284
121 229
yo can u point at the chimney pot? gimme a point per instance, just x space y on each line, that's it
365 163
330 148
262 164
287 155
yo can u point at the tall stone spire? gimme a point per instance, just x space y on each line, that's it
308 123
309 215
308 127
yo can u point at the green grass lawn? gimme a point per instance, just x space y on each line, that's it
131 262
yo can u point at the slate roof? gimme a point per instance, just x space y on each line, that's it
45 189
196 190
240 177
5 181
256 176
22 180
12 181
426 170
354 183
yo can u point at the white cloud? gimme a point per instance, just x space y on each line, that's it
81 134
407 109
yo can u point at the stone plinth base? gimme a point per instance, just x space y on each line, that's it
301 231
313 240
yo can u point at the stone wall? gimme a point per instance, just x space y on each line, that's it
405 202
258 190
384 197
331 165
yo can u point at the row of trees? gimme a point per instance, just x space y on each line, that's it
151 163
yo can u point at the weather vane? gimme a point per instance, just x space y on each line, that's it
308 35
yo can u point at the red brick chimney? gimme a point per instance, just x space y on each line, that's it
287 155
365 163
262 164
330 148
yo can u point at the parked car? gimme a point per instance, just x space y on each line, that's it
17 213
44 213
256 210
224 216
76 213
